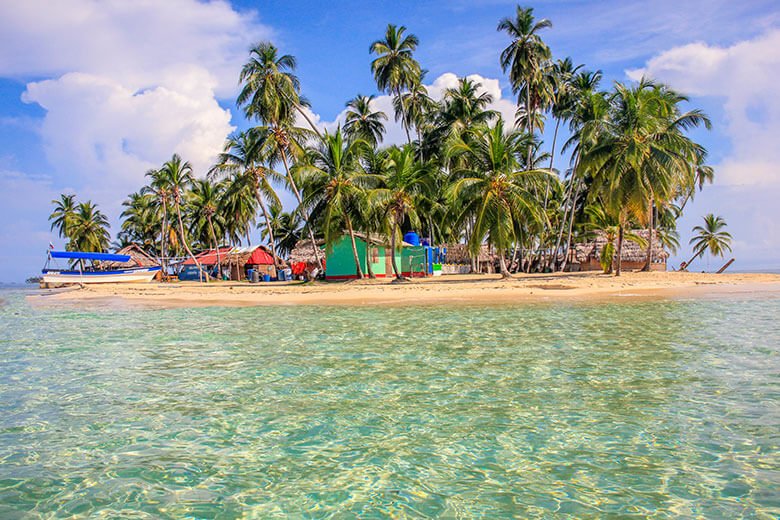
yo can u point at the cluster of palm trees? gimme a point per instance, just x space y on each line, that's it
464 174
83 225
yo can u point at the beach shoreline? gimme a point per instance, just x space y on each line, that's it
448 290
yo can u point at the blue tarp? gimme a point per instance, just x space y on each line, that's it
79 255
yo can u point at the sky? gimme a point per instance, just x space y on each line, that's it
93 93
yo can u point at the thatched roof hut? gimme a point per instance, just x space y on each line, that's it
138 258
632 253
303 252
459 254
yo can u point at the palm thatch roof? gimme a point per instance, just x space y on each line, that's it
303 252
632 252
459 254
240 256
138 258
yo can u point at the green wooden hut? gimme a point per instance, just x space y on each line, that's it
340 260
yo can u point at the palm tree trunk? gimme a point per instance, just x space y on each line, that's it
187 247
358 269
368 257
650 230
529 115
304 213
164 231
552 158
694 257
300 110
567 245
502 265
216 246
268 225
619 249
392 251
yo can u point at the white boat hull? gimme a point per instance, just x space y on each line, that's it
140 275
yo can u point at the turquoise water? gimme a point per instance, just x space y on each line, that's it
665 409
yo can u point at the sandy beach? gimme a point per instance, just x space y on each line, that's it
457 289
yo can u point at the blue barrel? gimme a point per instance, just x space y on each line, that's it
412 238
280 275
266 277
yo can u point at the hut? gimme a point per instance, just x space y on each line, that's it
240 261
340 258
585 256
138 258
302 260
458 260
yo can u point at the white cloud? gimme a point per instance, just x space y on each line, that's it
395 132
127 83
745 76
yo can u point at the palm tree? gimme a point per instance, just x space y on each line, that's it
493 188
175 178
601 220
271 90
364 123
402 191
88 229
243 157
642 157
159 190
394 68
286 228
710 237
62 216
202 208
334 183
524 58
141 221
413 108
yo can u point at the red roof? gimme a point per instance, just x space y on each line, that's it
209 257
260 257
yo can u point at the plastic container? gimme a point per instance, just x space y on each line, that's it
255 276
412 238
266 277
281 275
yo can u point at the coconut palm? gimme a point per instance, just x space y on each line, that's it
242 156
206 223
62 216
286 228
362 122
395 68
334 183
525 59
493 188
403 187
174 178
413 108
88 229
141 222
642 157
709 237
239 207
270 89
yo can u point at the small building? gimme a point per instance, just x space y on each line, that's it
340 259
585 256
302 259
256 258
457 259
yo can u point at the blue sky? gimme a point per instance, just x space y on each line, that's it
92 94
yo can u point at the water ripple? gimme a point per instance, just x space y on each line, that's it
654 409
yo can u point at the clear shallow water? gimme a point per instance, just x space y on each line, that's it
663 409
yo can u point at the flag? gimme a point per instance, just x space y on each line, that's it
51 246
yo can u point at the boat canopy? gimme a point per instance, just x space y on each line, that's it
80 255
